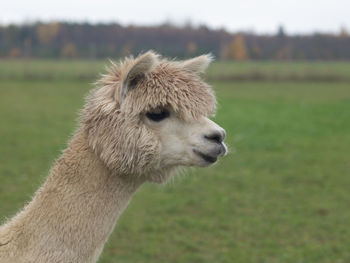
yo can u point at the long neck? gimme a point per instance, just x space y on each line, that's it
73 213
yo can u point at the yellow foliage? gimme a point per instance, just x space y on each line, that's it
191 47
236 49
15 53
69 51
47 32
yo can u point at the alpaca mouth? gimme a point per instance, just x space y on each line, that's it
205 157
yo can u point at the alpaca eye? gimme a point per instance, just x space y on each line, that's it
158 115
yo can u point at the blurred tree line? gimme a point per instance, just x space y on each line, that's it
84 40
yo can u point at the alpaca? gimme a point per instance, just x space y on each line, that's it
146 117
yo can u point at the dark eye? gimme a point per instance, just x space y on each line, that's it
158 115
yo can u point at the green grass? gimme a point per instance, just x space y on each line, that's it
281 195
228 71
283 69
50 69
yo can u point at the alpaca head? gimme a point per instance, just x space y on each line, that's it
149 115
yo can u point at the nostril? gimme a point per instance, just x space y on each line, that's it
216 137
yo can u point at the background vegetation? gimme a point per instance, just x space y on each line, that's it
84 40
281 195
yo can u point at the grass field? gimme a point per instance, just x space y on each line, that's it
228 71
281 195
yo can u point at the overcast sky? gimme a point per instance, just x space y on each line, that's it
262 16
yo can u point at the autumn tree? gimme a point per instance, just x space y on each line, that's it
15 53
69 51
47 32
256 52
191 48
284 53
236 49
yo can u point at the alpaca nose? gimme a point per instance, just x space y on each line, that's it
216 136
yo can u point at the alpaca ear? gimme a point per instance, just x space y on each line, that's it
142 65
198 64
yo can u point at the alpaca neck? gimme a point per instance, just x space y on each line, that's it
74 212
